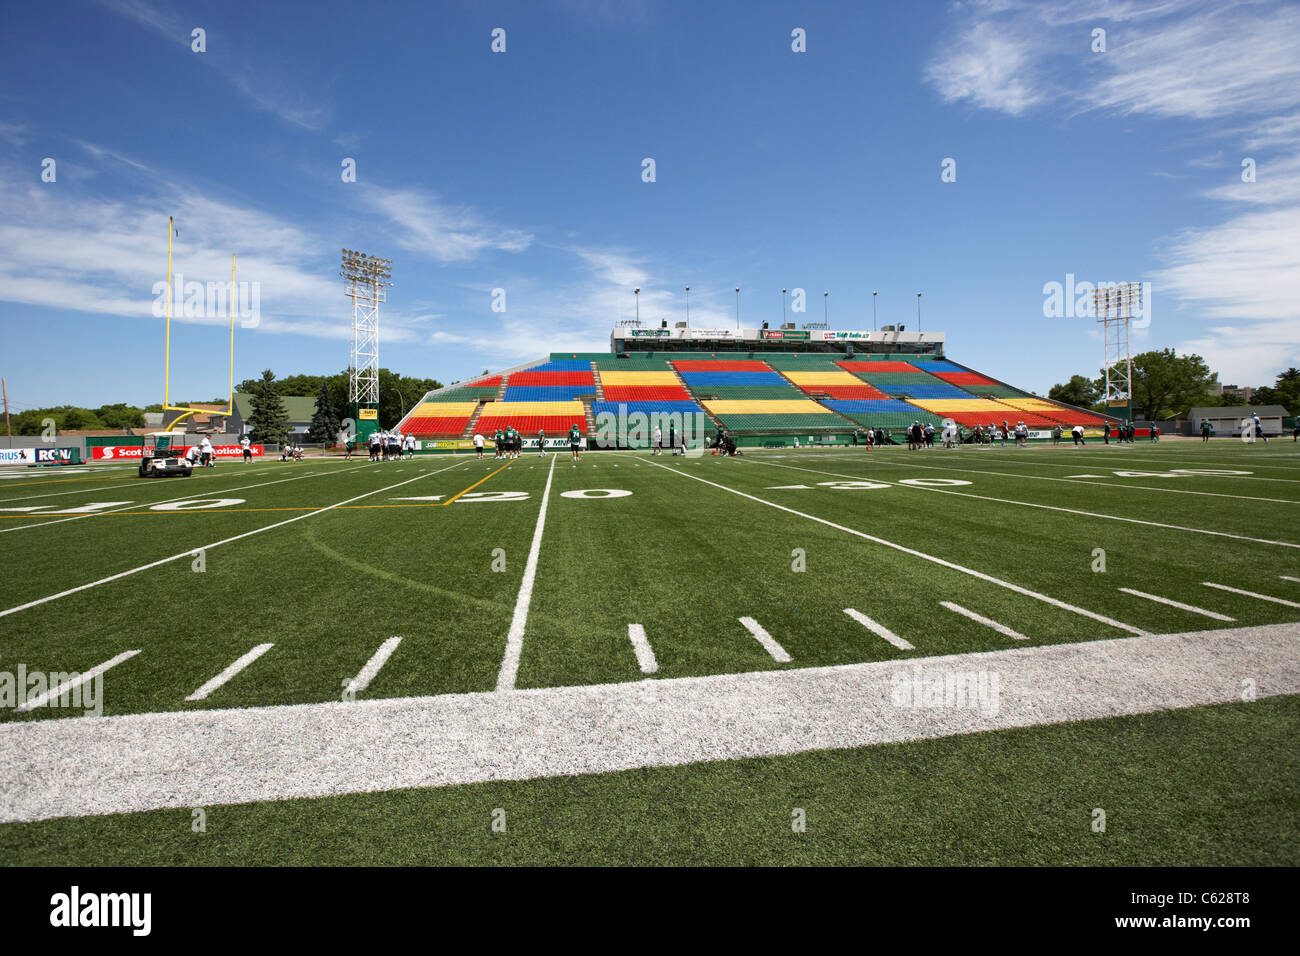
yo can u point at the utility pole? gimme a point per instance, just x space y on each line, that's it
4 388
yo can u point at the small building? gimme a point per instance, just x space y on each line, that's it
1226 419
299 409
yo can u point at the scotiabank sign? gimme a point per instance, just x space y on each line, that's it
133 452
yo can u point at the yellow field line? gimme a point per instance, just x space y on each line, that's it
475 485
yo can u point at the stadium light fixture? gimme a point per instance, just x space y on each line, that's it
826 298
918 312
366 281
873 310
783 308
637 294
688 307
737 307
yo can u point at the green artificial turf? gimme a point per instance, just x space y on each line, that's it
696 544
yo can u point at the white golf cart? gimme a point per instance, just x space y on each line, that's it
161 457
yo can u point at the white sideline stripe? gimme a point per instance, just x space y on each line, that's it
645 655
767 640
1258 597
1033 504
68 685
230 672
82 491
879 629
71 766
1178 604
1286 578
380 658
1074 479
215 544
515 639
986 621
1082 611
315 473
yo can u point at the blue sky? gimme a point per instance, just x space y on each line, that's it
522 171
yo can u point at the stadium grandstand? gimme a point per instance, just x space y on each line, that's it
768 387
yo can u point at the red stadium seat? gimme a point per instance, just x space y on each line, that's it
646 393
721 365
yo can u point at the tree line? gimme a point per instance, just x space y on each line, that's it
1166 385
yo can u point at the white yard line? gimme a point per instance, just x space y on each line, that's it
1178 604
986 621
645 655
1107 482
769 643
124 482
380 658
1251 594
229 672
216 544
67 686
515 638
1288 578
1036 595
206 493
69 767
879 629
1031 504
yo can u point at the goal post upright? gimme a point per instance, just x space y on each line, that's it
167 405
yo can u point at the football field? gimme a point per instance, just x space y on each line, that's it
814 656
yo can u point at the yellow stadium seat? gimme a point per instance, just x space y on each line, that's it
638 378
793 406
941 406
444 409
823 378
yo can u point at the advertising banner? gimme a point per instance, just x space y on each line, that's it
134 452
17 456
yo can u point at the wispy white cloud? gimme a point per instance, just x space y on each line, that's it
283 98
1179 59
447 233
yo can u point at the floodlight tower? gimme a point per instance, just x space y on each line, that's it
365 280
1114 306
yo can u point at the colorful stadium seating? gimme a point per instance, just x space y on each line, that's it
646 393
798 414
439 419
884 413
535 376
663 378
527 417
545 393
964 378
720 365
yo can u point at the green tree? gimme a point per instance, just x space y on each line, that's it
325 423
1286 392
73 419
1079 391
1166 384
268 416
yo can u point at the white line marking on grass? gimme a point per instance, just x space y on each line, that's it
1178 604
515 639
380 658
73 767
879 629
230 672
33 702
1252 594
986 621
767 640
1032 504
1084 612
1286 578
200 494
216 544
645 655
